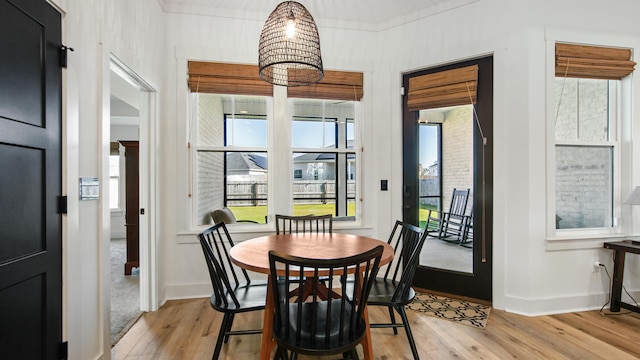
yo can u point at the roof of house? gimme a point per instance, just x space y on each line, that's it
237 161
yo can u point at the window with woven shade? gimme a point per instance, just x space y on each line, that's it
587 123
237 124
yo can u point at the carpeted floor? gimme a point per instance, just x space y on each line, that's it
463 312
125 293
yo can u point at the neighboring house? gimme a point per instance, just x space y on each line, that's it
314 166
246 167
431 170
308 166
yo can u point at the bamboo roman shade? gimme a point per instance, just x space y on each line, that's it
594 62
220 78
335 85
443 88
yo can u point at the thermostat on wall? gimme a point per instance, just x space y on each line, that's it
89 188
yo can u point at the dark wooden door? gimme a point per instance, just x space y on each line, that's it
132 204
30 181
477 282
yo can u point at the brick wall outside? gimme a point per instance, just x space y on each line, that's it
210 181
457 153
583 174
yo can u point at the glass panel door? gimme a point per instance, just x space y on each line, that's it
446 146
447 187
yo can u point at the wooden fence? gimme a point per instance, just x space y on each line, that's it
252 193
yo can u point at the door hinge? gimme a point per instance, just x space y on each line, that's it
63 55
64 350
62 204
402 90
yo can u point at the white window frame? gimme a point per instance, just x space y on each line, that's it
279 150
121 188
620 132
341 148
195 148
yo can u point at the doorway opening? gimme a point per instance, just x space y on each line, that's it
131 199
125 278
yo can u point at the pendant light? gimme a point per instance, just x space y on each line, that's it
289 49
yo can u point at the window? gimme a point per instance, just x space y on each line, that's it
587 122
231 156
240 127
114 176
586 146
324 156
430 150
114 182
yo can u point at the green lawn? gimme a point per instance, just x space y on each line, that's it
258 213
424 213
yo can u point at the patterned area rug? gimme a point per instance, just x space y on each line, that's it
460 311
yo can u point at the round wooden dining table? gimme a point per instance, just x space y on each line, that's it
253 255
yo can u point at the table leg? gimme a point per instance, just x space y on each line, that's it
268 343
616 288
367 346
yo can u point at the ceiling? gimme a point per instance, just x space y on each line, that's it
354 14
125 100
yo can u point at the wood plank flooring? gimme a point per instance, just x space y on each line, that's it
187 329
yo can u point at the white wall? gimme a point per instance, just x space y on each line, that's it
225 40
132 31
531 275
528 278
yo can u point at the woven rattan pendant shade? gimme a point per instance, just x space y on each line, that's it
290 60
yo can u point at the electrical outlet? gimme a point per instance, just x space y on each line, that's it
596 265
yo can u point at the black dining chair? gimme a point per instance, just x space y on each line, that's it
322 327
233 291
304 224
393 289
300 224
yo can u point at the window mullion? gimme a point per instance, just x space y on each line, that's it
280 184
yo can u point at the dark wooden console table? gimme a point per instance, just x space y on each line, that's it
621 248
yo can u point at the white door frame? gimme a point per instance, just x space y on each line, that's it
147 180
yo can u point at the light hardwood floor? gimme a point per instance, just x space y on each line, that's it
187 329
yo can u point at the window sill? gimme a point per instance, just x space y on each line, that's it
249 231
585 242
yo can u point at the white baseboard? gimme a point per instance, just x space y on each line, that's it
188 291
560 305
